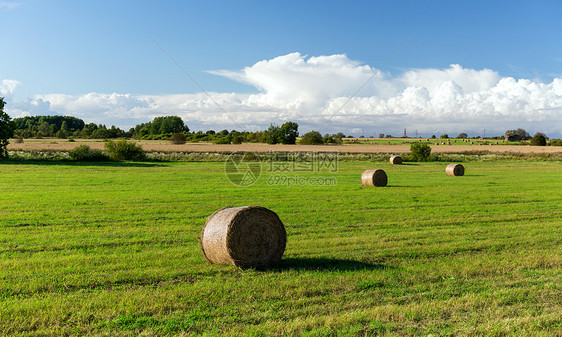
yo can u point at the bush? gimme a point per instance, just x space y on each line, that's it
222 140
237 139
85 153
420 152
539 140
327 139
124 150
555 142
178 138
312 138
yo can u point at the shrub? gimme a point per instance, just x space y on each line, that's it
178 138
18 139
124 150
312 138
85 153
338 139
237 139
222 140
420 152
327 139
555 142
539 140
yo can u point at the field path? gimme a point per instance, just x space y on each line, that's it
165 146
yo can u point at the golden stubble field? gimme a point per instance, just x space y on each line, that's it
166 146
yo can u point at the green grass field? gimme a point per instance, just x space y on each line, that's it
113 249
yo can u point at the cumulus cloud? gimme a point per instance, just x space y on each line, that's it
429 100
316 91
294 82
7 88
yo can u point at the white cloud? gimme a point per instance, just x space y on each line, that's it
313 90
7 88
8 5
294 82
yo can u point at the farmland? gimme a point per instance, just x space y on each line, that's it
113 249
356 145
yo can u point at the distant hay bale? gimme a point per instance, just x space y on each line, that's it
396 160
249 236
455 170
374 178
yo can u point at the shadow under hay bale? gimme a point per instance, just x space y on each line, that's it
245 237
396 160
374 178
455 170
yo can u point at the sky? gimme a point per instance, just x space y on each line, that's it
357 67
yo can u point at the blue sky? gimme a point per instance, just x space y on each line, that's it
96 60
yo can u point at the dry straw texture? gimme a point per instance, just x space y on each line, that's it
396 160
374 178
249 236
455 170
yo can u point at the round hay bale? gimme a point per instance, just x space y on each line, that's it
396 160
374 178
249 236
455 170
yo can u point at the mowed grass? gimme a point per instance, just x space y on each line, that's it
113 249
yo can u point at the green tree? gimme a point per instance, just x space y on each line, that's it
44 129
237 139
312 138
289 132
6 130
523 134
167 124
273 134
64 127
327 139
538 140
338 138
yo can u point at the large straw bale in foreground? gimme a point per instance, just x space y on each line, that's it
374 178
249 236
396 160
455 170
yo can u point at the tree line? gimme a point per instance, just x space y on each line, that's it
162 128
